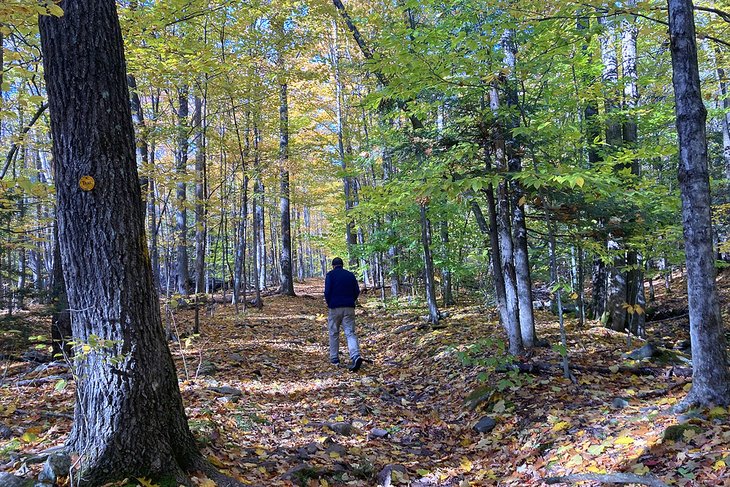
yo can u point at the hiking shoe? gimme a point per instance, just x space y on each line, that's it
356 364
335 363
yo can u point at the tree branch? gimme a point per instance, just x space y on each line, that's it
16 145
368 54
611 478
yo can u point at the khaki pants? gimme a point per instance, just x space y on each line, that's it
346 318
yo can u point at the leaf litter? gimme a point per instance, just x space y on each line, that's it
268 408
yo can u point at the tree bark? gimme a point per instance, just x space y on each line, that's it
258 221
506 248
635 296
616 285
127 395
710 375
61 317
521 256
433 312
446 284
182 276
350 235
201 225
286 278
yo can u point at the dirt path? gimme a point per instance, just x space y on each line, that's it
268 407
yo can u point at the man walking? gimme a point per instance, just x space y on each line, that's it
341 290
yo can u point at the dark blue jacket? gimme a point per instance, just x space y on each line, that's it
341 288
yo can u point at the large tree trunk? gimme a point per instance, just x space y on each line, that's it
710 375
127 395
286 279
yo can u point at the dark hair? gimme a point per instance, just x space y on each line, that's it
337 262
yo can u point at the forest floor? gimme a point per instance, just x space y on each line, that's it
268 408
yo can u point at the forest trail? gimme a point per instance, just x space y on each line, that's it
267 406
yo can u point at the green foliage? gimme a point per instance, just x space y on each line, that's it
491 354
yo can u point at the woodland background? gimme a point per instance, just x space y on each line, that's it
457 154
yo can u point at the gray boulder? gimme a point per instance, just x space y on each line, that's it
57 465
485 425
647 351
341 428
8 480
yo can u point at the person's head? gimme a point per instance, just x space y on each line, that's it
337 262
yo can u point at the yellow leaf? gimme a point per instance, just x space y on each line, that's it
574 461
719 465
640 469
216 462
562 425
717 412
466 465
574 296
595 469
335 455
146 482
522 201
623 440
687 387
207 483
340 418
55 10
28 437
261 452
688 434
579 181
323 483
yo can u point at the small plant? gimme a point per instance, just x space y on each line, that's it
491 354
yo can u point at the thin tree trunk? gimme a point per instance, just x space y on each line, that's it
181 161
710 375
286 278
521 256
505 249
635 296
446 284
61 317
433 312
258 220
350 236
200 194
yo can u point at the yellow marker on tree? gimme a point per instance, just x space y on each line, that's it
86 183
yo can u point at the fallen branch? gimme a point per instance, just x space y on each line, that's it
50 414
609 478
43 380
663 392
537 368
676 317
